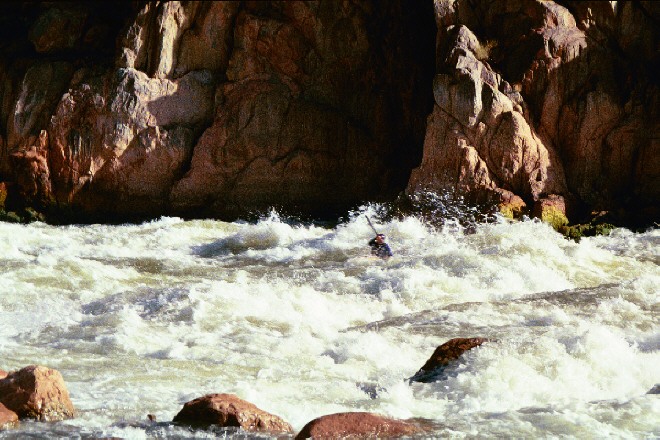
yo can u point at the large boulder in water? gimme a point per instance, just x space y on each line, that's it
356 425
443 356
37 392
228 410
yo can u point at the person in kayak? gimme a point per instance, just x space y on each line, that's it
379 248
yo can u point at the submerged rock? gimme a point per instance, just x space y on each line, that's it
228 410
443 356
356 425
37 392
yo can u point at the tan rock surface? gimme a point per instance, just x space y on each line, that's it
30 161
306 121
477 138
577 129
228 410
119 142
356 425
37 392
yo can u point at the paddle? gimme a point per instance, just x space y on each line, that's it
372 226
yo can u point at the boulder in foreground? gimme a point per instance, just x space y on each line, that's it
228 410
356 425
36 392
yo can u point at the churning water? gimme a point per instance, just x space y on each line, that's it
299 320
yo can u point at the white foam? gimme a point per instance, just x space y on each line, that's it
141 318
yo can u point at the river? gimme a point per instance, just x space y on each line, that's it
298 319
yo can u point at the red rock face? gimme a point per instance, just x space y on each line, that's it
307 120
356 425
121 141
227 410
36 392
33 173
218 108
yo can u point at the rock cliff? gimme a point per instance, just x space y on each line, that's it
139 109
554 103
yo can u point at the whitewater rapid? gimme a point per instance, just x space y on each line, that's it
298 319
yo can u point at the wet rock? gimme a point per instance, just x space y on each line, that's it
356 425
8 418
655 389
37 392
444 356
600 223
228 410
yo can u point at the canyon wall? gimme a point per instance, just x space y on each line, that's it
546 107
132 110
